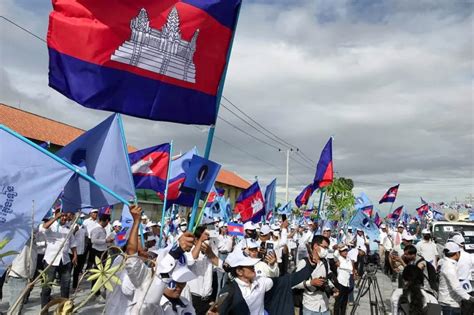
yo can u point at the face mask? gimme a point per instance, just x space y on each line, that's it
323 252
183 228
426 238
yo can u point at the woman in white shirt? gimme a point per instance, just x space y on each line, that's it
345 272
412 299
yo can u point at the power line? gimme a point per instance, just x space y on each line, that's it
257 123
251 126
248 134
22 28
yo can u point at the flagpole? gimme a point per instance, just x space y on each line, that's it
201 213
320 202
165 199
210 135
66 164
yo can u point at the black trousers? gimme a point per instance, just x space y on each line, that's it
201 305
81 260
2 281
340 304
387 269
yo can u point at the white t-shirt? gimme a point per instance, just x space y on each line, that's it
254 293
428 250
344 271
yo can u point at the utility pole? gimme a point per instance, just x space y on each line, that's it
288 170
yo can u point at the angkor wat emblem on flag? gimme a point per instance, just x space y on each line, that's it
161 51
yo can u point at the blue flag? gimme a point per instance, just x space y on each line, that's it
101 152
30 181
286 209
270 196
361 221
362 201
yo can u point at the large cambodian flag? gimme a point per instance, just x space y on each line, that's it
155 59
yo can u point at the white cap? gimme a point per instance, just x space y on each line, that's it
275 227
362 248
250 243
359 229
400 225
221 224
408 237
151 224
249 226
343 248
452 247
82 215
327 228
425 231
265 230
383 226
94 210
458 239
237 258
117 223
349 228
181 273
144 217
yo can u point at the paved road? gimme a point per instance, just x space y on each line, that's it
96 308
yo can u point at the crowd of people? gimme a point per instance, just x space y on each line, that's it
275 268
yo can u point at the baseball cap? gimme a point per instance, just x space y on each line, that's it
265 230
94 211
425 231
383 226
400 225
275 227
250 243
151 223
117 223
82 215
343 248
181 273
408 237
249 226
326 228
452 247
458 239
237 258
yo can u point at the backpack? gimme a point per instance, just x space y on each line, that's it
298 293
433 275
429 309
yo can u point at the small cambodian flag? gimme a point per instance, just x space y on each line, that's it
235 229
390 195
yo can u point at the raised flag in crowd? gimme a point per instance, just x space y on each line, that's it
395 215
30 181
235 229
422 210
150 167
390 195
250 204
377 219
101 153
324 169
270 196
286 209
99 58
368 210
179 167
303 197
362 201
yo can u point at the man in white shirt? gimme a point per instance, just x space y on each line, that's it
100 243
386 241
450 291
315 300
22 270
225 243
80 235
56 232
90 224
345 268
427 249
465 264
331 249
350 238
201 260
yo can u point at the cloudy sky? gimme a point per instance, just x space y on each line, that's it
390 80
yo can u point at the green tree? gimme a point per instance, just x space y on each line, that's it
340 198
